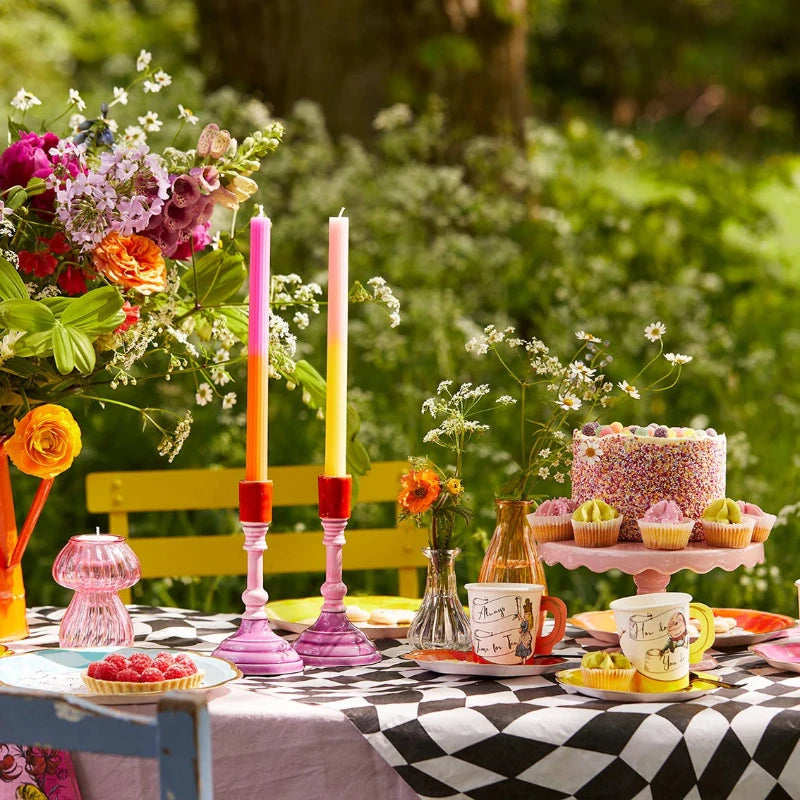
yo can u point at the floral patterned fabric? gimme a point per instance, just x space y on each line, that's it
36 773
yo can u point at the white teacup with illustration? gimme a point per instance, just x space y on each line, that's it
654 634
504 619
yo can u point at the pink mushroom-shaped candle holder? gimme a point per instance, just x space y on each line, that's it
96 567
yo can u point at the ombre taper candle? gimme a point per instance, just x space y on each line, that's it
258 351
336 396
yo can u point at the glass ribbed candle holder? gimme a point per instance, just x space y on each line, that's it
96 567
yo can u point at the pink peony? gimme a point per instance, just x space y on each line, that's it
30 158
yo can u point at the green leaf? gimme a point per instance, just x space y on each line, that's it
35 344
26 315
311 381
215 278
237 321
15 197
17 129
72 349
11 284
35 186
95 312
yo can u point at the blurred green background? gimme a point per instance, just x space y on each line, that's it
554 165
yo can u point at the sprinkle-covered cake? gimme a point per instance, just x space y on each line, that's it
634 468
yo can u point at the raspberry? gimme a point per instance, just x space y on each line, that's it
140 662
93 668
152 675
186 662
177 671
129 674
163 660
117 659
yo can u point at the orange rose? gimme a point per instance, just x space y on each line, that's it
45 441
420 490
133 262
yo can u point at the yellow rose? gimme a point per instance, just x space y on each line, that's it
45 441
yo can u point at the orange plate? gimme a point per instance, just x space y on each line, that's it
756 621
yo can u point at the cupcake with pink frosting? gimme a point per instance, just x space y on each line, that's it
664 526
763 521
552 520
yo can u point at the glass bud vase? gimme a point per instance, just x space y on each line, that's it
512 555
96 566
441 622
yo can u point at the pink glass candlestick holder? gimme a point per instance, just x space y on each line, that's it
96 567
333 641
255 648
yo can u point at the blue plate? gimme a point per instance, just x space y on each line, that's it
60 671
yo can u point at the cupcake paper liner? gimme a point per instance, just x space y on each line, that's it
763 526
666 535
551 529
612 680
736 535
597 534
129 687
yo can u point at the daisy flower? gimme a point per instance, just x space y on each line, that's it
120 96
628 389
24 100
186 115
654 331
586 337
677 359
568 402
150 122
588 452
204 394
76 100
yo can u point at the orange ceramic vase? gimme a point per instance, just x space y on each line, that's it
13 624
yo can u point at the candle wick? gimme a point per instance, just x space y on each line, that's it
342 211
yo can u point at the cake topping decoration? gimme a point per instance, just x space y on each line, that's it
725 511
750 508
590 429
554 507
665 511
594 511
603 660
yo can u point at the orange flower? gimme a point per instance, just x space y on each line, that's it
133 262
420 490
45 441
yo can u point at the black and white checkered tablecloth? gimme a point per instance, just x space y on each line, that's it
464 737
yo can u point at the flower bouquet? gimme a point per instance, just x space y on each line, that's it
108 274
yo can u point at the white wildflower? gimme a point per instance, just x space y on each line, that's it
589 452
186 115
76 100
677 359
229 401
654 331
143 61
120 96
586 337
24 100
506 400
628 389
204 394
301 319
150 122
569 402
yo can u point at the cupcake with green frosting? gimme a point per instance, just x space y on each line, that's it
610 671
596 524
724 525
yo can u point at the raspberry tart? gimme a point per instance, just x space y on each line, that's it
139 673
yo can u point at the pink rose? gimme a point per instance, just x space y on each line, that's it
30 158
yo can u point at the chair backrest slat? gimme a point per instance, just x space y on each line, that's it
179 736
120 494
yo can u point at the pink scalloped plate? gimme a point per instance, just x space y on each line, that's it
781 655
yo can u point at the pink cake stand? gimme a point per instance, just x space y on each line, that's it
651 569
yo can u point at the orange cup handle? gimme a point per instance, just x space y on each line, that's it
544 644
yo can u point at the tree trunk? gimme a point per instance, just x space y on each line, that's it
355 57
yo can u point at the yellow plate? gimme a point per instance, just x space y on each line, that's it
4 651
599 623
297 614
572 682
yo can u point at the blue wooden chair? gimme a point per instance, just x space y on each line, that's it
179 736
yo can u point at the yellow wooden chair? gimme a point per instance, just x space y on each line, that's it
119 494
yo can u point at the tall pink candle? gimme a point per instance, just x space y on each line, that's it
258 351
336 398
